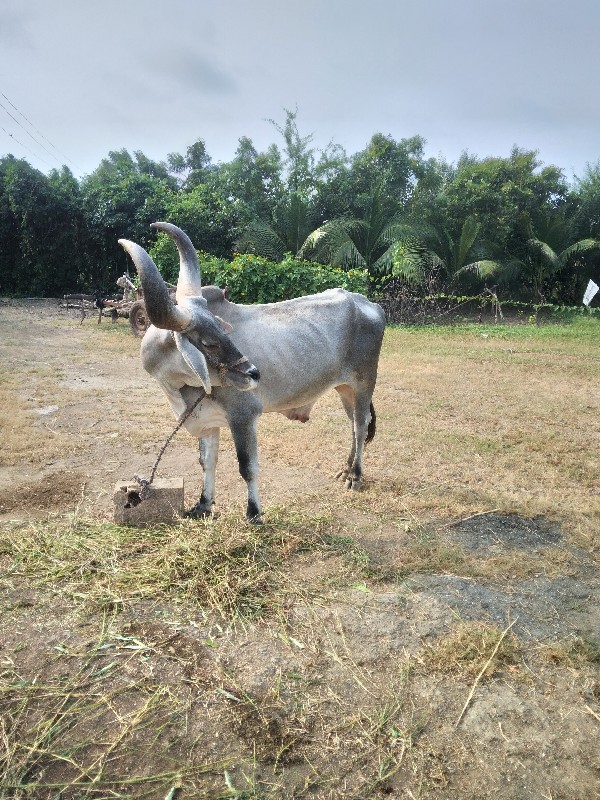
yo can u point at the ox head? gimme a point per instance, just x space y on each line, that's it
201 337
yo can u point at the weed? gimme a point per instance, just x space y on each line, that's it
575 652
466 649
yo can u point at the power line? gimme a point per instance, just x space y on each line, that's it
8 100
39 144
31 135
12 136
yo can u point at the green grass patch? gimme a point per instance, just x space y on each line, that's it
586 329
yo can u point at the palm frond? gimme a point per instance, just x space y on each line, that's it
484 268
468 235
296 222
409 265
260 239
413 261
547 254
578 249
396 229
511 270
348 256
324 241
385 263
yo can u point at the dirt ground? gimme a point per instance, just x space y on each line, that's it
400 649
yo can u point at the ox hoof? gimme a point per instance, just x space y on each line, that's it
342 475
200 512
354 484
257 520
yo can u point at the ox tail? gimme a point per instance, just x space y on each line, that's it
372 425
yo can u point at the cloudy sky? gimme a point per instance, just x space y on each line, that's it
79 78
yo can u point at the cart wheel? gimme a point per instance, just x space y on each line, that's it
138 319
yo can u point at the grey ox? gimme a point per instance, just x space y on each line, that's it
251 359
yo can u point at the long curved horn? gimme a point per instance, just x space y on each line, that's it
162 312
190 280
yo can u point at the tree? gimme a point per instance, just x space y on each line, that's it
208 218
291 224
299 161
120 199
193 168
428 251
503 194
289 216
585 199
389 168
252 180
373 193
365 242
40 227
551 253
68 238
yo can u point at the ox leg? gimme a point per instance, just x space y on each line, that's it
209 454
246 448
357 407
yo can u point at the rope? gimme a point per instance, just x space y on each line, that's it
145 483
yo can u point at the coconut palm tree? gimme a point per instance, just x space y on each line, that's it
550 252
365 242
286 233
434 250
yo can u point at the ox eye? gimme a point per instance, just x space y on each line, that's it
208 345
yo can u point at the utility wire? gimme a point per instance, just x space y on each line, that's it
43 160
39 144
45 138
30 135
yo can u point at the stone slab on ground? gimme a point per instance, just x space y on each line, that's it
164 505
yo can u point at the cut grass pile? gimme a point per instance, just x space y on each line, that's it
222 565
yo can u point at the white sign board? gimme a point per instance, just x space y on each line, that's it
591 290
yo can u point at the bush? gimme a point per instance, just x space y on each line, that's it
252 279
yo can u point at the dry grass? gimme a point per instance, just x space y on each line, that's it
509 421
224 566
575 653
214 659
467 649
72 728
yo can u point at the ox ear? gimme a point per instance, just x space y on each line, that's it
225 326
194 359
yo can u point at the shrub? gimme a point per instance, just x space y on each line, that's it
253 279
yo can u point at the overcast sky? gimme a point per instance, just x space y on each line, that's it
155 75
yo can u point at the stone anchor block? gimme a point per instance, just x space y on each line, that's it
164 505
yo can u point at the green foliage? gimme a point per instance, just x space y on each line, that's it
208 218
585 200
287 232
40 218
192 169
508 221
253 279
390 170
365 242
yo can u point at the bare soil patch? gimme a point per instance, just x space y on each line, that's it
435 636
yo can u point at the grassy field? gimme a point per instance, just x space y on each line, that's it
434 636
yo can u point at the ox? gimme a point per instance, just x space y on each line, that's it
252 359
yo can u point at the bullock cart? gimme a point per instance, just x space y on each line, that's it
129 306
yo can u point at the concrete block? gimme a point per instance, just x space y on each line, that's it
164 505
